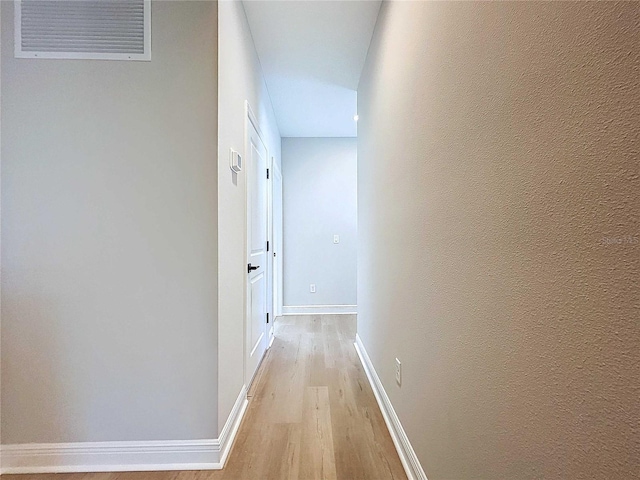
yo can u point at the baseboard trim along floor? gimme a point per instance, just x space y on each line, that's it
230 429
319 310
408 457
125 456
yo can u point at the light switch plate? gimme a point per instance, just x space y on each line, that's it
235 161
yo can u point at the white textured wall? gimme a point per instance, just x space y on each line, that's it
109 239
498 145
240 79
320 201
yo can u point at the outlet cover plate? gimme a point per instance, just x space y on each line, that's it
398 372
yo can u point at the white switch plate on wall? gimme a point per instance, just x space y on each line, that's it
235 160
312 288
336 239
398 372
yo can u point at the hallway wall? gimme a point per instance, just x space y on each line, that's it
499 246
109 233
320 201
240 79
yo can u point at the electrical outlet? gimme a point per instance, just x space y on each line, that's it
398 372
312 288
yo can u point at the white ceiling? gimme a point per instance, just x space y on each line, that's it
312 54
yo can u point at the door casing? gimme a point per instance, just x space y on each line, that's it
276 237
254 351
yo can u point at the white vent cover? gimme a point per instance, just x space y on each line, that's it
87 29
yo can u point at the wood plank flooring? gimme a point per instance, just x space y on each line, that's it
311 415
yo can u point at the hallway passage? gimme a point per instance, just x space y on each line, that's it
311 414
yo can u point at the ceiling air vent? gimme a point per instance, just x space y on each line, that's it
84 29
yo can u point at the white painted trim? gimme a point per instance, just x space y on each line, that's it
208 454
253 119
277 289
319 310
408 456
111 456
272 335
231 426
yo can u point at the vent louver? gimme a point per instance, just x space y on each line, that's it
85 29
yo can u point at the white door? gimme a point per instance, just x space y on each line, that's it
256 313
277 240
270 272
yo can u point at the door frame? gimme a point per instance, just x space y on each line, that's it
277 261
270 266
251 118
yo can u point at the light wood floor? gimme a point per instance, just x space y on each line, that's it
311 414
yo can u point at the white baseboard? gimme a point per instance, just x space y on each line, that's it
319 310
408 457
231 426
272 336
111 456
209 454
